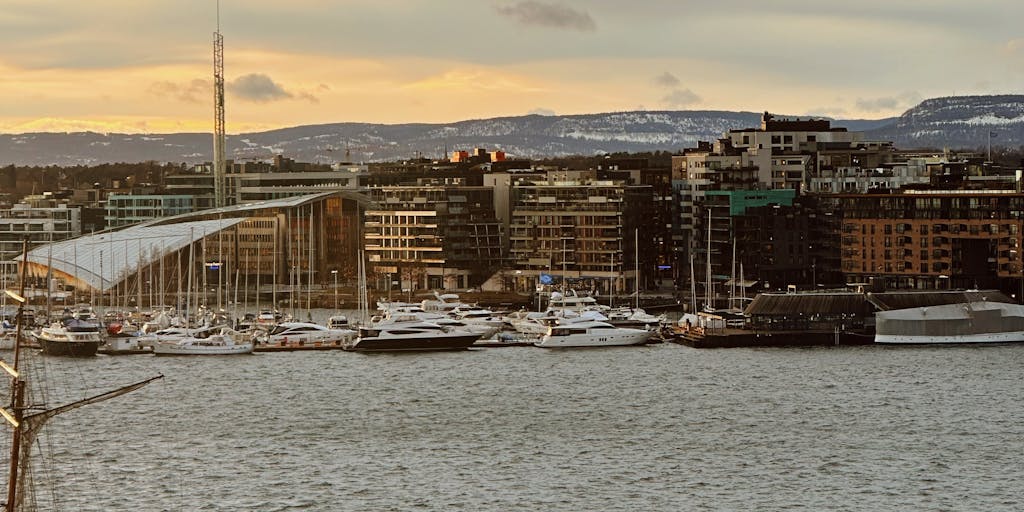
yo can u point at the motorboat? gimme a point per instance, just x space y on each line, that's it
635 318
411 336
589 333
305 333
226 342
414 314
70 337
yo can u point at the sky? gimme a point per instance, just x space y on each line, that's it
147 66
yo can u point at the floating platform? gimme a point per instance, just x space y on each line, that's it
739 338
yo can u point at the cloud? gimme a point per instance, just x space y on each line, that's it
900 101
681 98
196 91
666 79
548 15
259 88
1015 47
825 112
542 112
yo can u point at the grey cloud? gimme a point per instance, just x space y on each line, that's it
681 98
825 112
308 96
903 100
548 15
259 88
666 79
542 112
196 91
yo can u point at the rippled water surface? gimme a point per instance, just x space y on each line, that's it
663 427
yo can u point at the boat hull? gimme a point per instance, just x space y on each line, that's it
393 344
173 350
69 348
989 337
974 322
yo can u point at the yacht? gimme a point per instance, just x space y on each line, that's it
226 342
70 337
589 333
304 333
411 335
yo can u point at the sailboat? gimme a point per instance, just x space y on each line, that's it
28 418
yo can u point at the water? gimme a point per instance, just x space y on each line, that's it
662 427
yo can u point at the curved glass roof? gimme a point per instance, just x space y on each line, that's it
102 260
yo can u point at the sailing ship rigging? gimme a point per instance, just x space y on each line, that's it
27 418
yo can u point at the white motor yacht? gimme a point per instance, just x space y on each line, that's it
305 333
411 336
588 333
226 342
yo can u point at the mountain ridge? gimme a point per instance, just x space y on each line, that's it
954 121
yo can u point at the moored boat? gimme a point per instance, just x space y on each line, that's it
966 322
592 334
225 343
302 333
69 338
412 336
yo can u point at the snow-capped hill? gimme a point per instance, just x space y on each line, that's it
959 122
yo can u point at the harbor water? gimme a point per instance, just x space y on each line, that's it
661 427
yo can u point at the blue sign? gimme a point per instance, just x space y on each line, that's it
546 279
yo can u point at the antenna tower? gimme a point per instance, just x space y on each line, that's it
219 161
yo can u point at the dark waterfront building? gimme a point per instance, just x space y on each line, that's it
662 220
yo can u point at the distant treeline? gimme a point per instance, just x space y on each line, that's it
20 181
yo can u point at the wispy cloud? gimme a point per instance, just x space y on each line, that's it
196 91
542 112
550 15
680 98
886 103
666 79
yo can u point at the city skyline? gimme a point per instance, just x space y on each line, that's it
123 66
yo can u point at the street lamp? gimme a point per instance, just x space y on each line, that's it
335 273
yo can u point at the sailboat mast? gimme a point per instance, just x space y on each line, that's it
188 292
636 256
732 289
258 269
309 290
707 287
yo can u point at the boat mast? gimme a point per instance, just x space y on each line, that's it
636 258
707 286
309 290
188 292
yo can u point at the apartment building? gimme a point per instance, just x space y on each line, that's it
584 232
934 239
432 236
40 221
